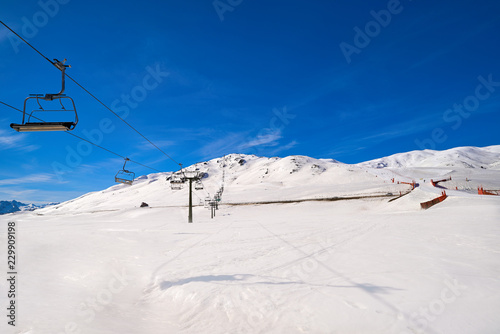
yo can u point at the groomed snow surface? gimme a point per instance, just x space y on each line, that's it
356 264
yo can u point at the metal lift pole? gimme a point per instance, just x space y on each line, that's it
190 217
190 176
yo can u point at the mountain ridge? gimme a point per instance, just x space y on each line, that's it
15 206
249 178
465 156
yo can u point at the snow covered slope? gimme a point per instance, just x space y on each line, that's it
468 167
467 157
101 264
250 179
247 179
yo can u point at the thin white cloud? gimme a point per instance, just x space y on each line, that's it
345 150
354 144
18 195
223 145
3 34
263 144
145 145
33 178
38 196
15 141
269 139
283 148
7 140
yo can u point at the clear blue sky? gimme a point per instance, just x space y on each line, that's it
349 80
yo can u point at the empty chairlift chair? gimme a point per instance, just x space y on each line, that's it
176 182
124 176
198 185
30 107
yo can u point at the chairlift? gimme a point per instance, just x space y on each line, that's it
125 176
175 185
176 182
68 107
190 174
198 185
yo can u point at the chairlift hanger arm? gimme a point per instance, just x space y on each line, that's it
125 162
61 66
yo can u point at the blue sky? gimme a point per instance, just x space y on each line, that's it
348 80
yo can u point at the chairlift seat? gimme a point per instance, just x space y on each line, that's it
177 181
124 181
176 185
27 126
43 126
125 177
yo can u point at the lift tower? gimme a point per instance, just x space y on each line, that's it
192 176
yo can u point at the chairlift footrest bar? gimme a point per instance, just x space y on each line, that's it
43 126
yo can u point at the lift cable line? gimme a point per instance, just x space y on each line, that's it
88 141
92 95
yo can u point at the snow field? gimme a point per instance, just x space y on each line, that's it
313 267
100 264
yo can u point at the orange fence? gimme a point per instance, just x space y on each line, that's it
426 205
413 184
435 183
481 191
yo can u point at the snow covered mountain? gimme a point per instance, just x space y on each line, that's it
14 206
468 157
246 179
250 179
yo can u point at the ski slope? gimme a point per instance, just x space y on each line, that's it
101 264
